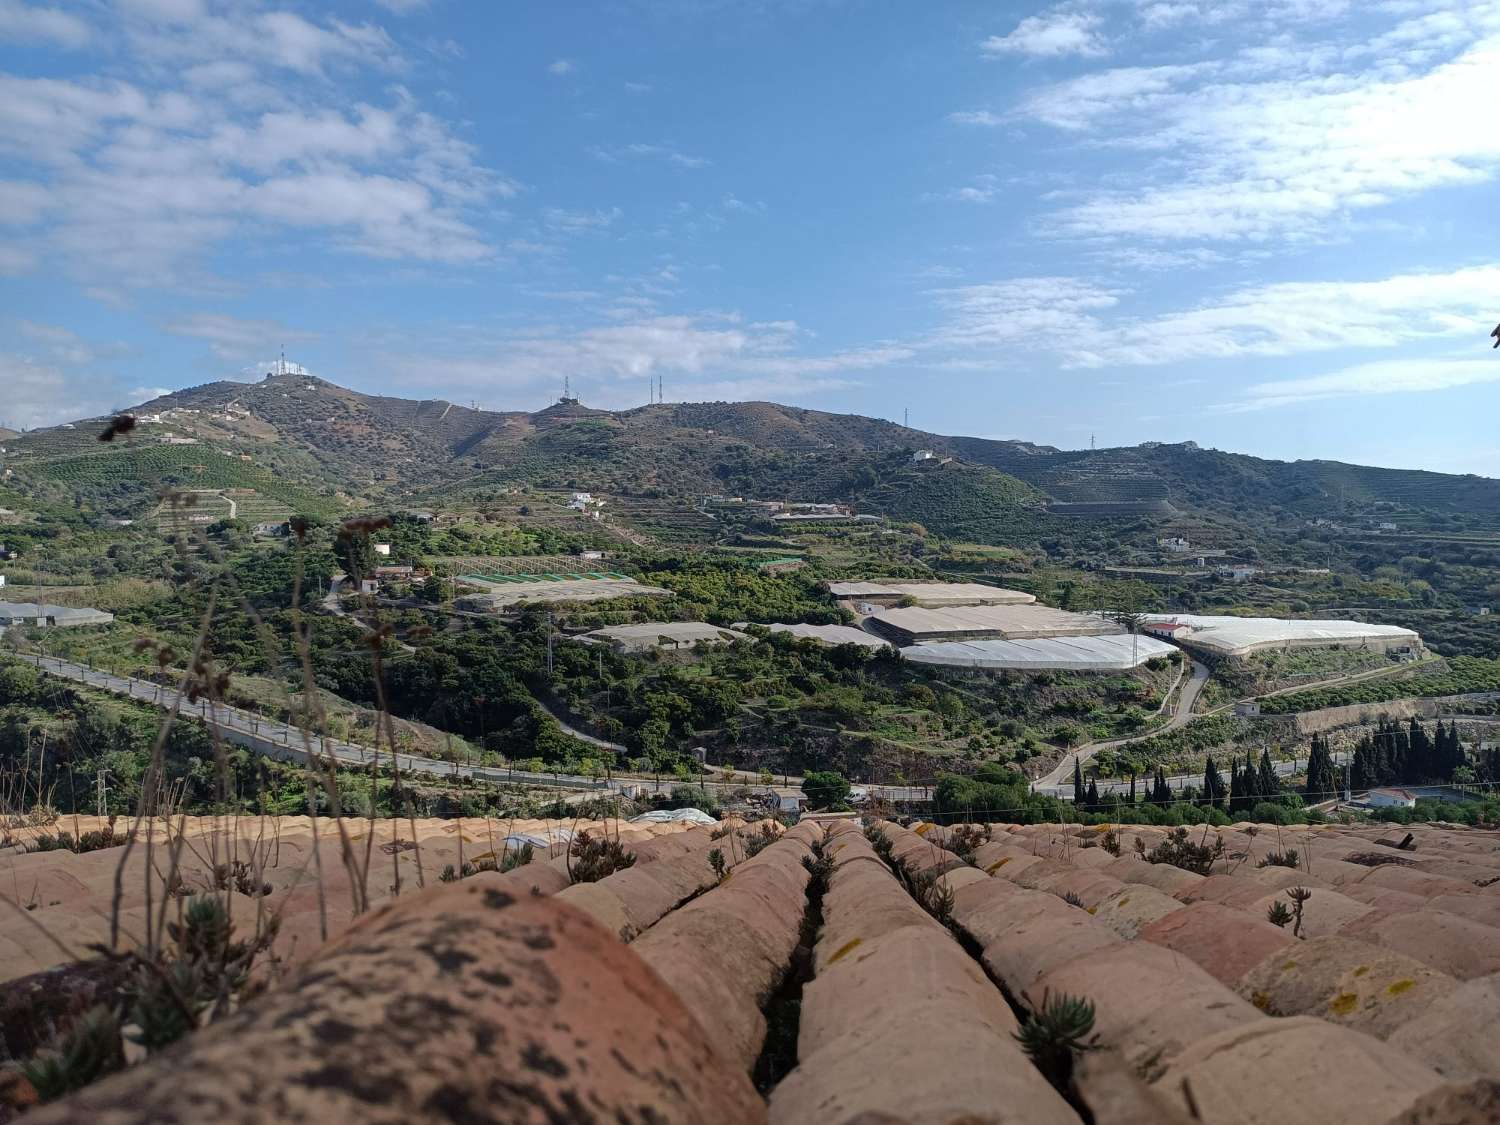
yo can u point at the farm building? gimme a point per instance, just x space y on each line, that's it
1241 636
1117 653
981 622
499 591
48 616
932 595
1391 799
670 635
829 634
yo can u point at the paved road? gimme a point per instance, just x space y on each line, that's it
1181 716
289 741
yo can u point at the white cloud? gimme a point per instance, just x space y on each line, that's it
561 67
1395 376
577 222
144 182
638 87
1293 318
711 355
1034 313
41 393
22 24
232 337
1051 34
1262 145
403 7
976 117
640 151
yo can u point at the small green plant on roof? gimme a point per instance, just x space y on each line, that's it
591 858
87 1051
1289 858
880 842
967 839
1056 1034
240 876
1181 852
820 868
520 857
716 861
931 893
1110 842
1073 900
83 842
757 842
1278 914
1299 897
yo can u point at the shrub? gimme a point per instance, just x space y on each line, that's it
1181 852
1054 1035
1289 858
591 858
757 842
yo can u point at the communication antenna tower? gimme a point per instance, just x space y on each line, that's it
906 417
1092 443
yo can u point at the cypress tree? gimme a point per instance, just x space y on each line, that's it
1267 783
1078 793
1132 787
1093 794
1213 784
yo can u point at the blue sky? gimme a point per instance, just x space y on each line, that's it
1266 225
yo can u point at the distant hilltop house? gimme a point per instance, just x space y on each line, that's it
1166 630
1237 573
1386 525
1177 543
383 549
924 455
584 501
1391 799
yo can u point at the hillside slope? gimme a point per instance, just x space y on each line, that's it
322 438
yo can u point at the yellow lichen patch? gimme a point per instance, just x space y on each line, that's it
997 865
1289 966
1261 1000
845 949
1343 1003
1397 987
1362 970
922 829
1124 901
1093 910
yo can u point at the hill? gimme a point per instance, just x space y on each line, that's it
327 440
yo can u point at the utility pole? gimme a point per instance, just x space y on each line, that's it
549 645
101 791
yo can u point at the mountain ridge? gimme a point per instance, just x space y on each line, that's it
374 446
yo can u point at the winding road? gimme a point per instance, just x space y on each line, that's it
1181 716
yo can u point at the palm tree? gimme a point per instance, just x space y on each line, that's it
1132 620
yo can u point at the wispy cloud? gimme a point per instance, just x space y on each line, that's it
1267 144
20 23
561 67
641 151
1385 377
1058 32
233 337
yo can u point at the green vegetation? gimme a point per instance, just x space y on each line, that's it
1463 675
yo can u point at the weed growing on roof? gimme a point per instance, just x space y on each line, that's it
1073 900
967 839
757 842
201 977
1299 897
242 877
1289 858
880 842
591 858
716 861
1056 1034
89 1050
1278 914
1181 852
933 895
1110 841
83 842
